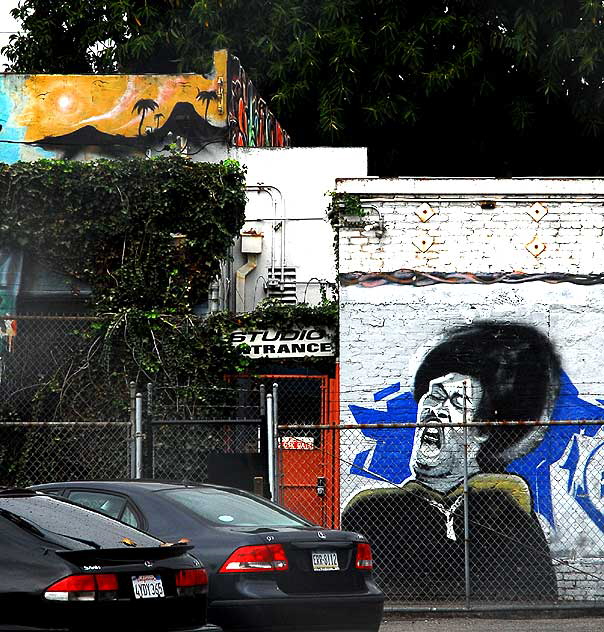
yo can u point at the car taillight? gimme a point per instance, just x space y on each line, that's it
101 586
191 582
256 559
364 559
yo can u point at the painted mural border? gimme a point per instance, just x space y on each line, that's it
416 278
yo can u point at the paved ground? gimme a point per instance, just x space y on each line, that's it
576 624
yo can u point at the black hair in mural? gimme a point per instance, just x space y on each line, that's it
517 367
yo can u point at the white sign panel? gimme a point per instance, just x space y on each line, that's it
297 443
294 343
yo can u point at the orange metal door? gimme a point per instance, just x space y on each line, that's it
308 459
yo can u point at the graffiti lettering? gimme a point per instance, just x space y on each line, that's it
251 123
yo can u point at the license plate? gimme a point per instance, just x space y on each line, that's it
325 561
147 586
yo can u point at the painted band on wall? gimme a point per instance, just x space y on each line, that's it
82 116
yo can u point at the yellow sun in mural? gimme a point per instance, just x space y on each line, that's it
64 102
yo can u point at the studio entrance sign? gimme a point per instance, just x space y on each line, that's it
292 343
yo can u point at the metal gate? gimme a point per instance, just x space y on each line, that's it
236 441
217 437
307 470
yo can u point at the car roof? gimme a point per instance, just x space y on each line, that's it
16 491
128 484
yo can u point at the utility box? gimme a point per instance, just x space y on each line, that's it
251 243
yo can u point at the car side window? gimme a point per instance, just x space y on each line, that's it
129 517
109 504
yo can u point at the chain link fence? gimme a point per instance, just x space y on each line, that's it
217 438
69 411
456 521
62 416
39 452
53 368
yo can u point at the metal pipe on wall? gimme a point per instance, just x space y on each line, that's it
273 192
241 275
214 297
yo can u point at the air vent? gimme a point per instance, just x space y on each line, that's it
282 287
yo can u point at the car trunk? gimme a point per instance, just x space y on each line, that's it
320 561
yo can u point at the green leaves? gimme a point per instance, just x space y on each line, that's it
148 234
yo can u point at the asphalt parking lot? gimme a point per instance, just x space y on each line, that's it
482 624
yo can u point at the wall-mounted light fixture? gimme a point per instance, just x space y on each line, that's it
372 220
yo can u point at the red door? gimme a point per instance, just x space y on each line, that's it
308 458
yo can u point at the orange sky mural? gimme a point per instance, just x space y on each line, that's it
53 105
87 116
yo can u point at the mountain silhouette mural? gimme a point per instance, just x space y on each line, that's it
184 120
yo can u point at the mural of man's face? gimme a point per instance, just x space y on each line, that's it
438 451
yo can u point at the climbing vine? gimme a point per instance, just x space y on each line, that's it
147 237
146 234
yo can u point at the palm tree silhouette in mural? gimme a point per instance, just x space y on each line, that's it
142 106
157 118
206 96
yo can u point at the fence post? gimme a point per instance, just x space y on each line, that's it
148 429
138 436
262 425
262 400
270 423
466 504
276 477
132 431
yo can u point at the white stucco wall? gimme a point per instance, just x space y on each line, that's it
300 179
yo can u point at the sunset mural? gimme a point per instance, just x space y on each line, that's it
52 112
94 116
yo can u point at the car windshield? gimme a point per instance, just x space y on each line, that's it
221 507
61 518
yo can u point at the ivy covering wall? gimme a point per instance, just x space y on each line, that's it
147 236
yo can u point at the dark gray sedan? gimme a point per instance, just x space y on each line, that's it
269 568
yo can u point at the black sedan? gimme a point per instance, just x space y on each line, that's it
269 568
64 567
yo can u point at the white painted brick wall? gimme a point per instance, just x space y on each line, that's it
580 579
386 330
466 237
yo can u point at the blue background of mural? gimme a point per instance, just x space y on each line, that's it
390 460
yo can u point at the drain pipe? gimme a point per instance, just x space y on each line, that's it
242 272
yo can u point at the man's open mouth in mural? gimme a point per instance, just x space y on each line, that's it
438 451
430 442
